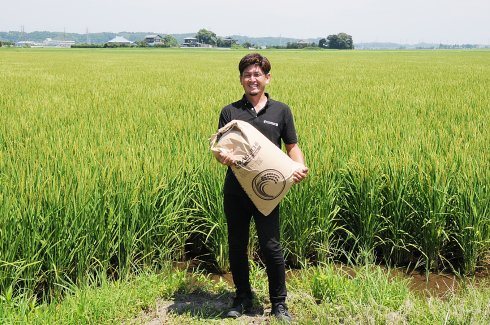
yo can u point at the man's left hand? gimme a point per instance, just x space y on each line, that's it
300 174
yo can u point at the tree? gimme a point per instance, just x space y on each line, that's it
206 36
299 45
170 41
225 42
341 41
345 41
322 43
332 41
248 45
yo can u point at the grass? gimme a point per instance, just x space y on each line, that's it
323 294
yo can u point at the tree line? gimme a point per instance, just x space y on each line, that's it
203 36
341 41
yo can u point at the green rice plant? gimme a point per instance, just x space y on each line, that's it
165 236
309 220
209 219
471 225
398 243
433 207
361 203
297 218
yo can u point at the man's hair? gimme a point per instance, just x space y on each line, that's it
254 59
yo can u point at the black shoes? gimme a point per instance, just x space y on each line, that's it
240 306
280 311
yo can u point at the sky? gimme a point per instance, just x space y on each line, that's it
399 21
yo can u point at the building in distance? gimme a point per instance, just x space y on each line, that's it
154 40
120 41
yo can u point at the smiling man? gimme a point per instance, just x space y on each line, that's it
275 120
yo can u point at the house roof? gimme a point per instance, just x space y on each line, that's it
119 39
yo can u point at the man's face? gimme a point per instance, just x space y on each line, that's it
254 80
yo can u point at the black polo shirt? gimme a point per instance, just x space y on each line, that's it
275 121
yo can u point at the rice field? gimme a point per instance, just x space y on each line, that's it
105 167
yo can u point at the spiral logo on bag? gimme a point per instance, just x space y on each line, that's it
269 184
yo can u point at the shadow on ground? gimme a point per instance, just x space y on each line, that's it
207 305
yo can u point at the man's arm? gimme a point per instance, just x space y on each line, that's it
295 153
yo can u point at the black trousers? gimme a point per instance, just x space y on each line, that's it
239 211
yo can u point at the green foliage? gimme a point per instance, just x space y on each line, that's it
299 45
226 42
326 294
85 46
6 43
398 216
330 285
470 224
170 41
361 204
369 285
206 37
104 304
314 234
208 221
247 45
341 41
322 43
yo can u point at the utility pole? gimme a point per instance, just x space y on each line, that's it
88 38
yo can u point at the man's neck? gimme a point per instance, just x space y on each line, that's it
258 101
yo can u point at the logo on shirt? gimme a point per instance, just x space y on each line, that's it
269 184
271 123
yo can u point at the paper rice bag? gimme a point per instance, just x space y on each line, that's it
263 170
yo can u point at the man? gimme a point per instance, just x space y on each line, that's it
275 120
